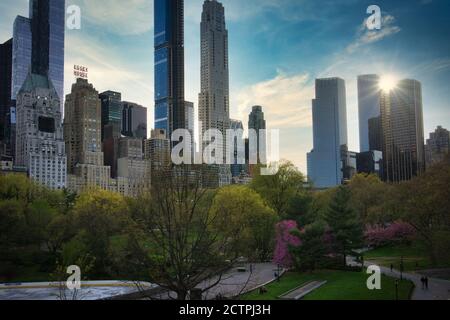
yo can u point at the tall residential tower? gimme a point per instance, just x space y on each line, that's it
214 98
169 65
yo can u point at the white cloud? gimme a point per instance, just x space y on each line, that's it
286 100
366 36
117 16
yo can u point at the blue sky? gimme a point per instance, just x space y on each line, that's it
277 49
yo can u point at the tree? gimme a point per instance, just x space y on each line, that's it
311 253
367 197
181 242
286 238
98 215
344 224
424 203
245 209
278 189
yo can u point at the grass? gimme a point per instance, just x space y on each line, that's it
340 285
414 257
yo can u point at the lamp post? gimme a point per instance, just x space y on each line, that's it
401 269
396 289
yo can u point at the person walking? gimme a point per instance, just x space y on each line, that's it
392 267
426 283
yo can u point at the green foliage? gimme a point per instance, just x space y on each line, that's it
310 255
244 211
344 224
279 189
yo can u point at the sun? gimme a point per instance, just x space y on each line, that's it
388 83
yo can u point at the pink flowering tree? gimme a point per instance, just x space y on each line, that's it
284 240
396 232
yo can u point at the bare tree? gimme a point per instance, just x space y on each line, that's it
179 240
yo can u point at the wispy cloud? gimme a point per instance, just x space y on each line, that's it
120 17
286 100
366 36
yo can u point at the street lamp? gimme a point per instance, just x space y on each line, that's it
401 269
396 289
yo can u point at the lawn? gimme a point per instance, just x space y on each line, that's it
340 285
414 257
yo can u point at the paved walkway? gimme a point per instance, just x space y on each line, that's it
438 289
234 282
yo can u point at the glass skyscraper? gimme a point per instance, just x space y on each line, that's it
325 161
402 131
21 60
369 112
47 29
169 65
111 112
5 96
134 120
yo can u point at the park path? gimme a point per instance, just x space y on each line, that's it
438 289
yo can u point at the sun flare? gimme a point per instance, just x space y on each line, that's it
388 83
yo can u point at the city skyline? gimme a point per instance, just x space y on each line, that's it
280 76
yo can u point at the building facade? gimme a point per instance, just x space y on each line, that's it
214 97
437 147
111 112
237 168
257 122
134 120
5 97
40 145
157 150
82 134
48 32
369 107
370 162
169 65
325 163
402 132
82 126
132 169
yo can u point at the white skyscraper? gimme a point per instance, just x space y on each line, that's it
326 160
40 145
214 105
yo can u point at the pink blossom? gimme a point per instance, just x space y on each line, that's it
395 232
284 239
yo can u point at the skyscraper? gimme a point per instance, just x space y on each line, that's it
134 120
169 65
438 146
47 29
21 61
257 122
214 97
82 126
236 168
82 134
402 130
5 96
40 145
369 112
157 150
111 112
325 163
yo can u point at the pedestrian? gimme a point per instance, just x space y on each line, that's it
422 280
251 268
426 283
392 267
